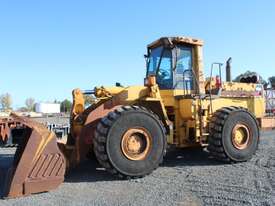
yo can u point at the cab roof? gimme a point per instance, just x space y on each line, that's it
176 40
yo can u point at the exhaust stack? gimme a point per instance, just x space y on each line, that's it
228 70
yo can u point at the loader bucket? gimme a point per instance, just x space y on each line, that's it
38 165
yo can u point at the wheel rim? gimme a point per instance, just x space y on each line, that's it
136 143
241 136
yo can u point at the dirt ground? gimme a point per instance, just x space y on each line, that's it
187 177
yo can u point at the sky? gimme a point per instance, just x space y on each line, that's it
48 48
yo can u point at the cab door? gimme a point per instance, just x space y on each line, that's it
183 75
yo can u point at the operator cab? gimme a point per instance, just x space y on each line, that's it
170 60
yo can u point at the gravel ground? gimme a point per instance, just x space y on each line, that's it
60 120
187 177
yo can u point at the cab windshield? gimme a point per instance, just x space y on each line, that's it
160 65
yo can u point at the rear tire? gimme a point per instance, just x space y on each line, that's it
130 142
234 135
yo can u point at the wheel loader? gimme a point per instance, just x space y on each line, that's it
128 129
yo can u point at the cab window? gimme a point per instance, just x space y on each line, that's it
184 74
155 56
164 73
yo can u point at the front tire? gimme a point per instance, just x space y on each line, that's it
130 142
234 135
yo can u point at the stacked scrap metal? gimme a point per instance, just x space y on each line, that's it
60 130
270 101
251 78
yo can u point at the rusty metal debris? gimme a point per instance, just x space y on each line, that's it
6 126
38 164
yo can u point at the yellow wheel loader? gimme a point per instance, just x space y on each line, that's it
129 128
